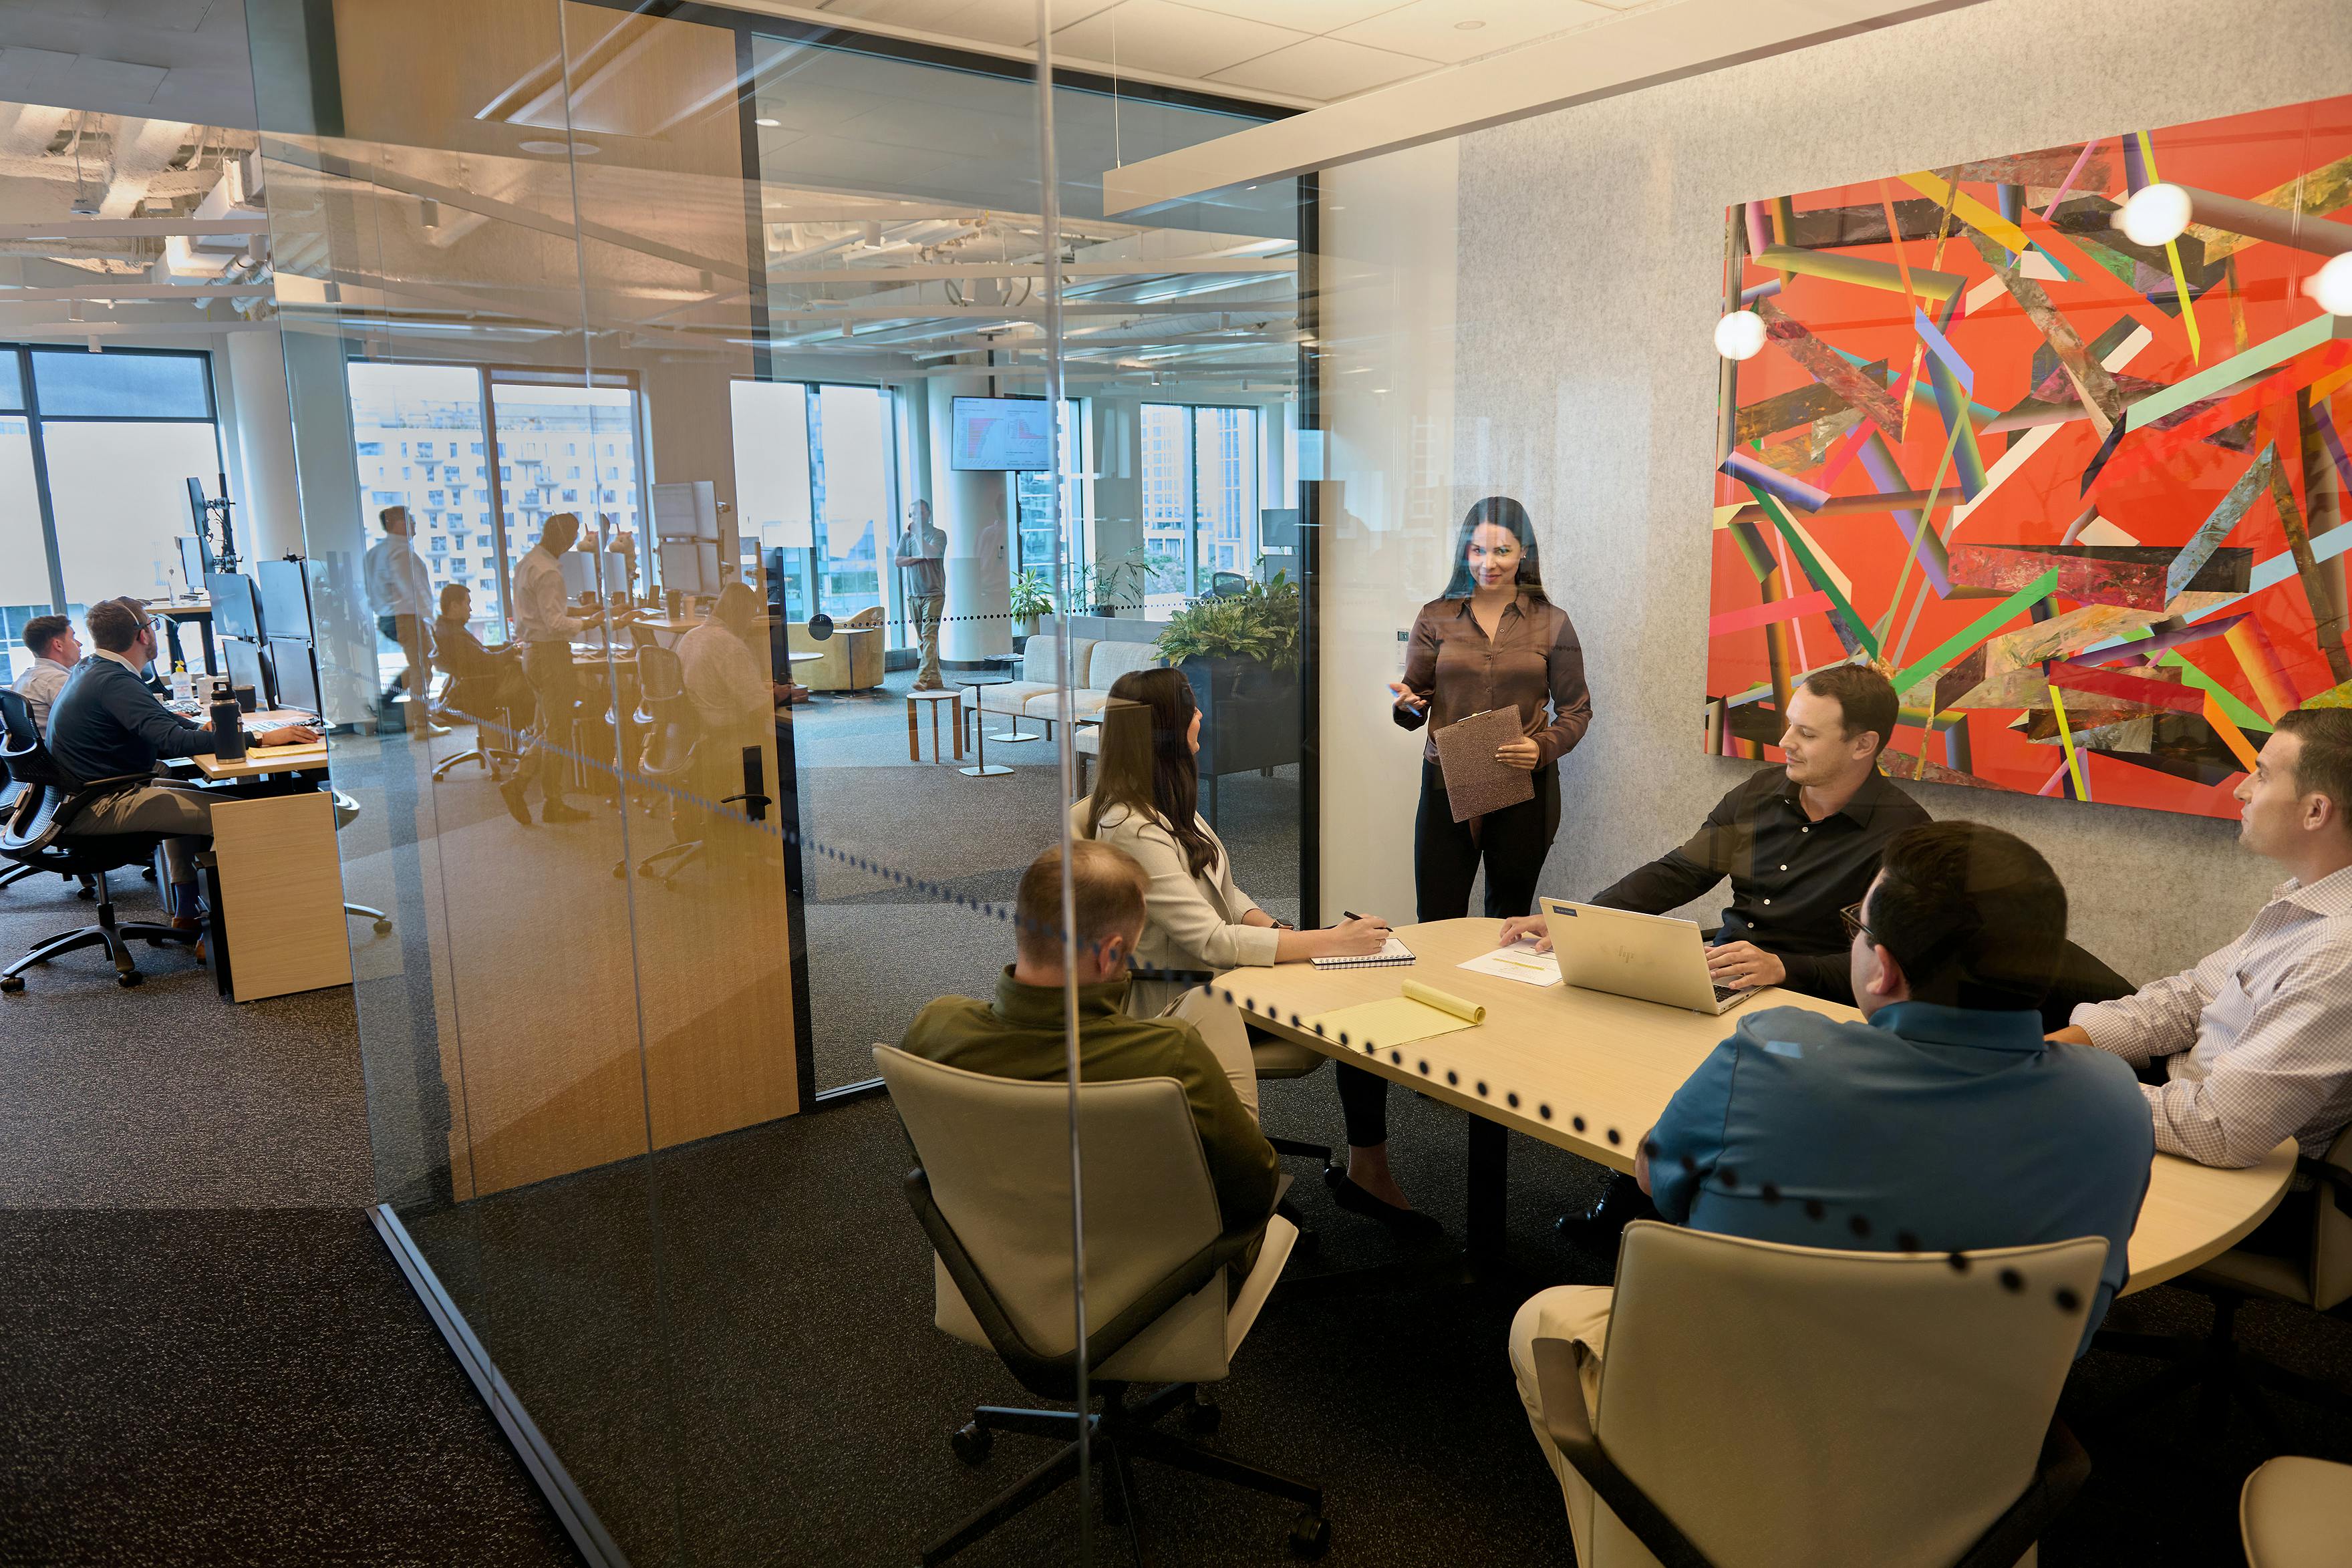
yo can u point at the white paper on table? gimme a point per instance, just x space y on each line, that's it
1519 962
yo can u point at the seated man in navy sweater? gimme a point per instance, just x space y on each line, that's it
1940 1121
106 722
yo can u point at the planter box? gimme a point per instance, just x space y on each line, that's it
1250 715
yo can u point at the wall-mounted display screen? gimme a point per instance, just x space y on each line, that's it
1003 433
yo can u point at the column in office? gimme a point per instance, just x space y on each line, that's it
1118 485
269 517
975 509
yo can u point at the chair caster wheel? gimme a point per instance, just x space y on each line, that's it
1310 1536
127 979
12 984
86 894
971 1442
1202 1420
1334 1175
383 927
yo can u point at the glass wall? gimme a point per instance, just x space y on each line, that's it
700 835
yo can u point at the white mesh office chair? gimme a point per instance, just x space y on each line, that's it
992 1192
2295 1512
1769 1406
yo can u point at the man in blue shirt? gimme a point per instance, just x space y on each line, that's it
1944 1122
105 723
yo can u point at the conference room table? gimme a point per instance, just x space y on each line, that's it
1590 1072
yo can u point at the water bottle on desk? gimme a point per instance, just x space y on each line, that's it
228 730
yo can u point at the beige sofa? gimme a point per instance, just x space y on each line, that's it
1036 693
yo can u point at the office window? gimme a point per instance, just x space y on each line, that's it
816 477
1200 468
528 417
1034 548
120 434
387 400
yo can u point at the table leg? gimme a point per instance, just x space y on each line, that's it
204 631
958 700
1488 1180
914 739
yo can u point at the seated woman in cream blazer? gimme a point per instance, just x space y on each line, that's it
1196 916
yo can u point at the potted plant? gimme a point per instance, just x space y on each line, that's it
1108 587
1033 599
1241 654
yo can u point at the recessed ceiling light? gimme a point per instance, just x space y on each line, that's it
580 149
1470 26
770 123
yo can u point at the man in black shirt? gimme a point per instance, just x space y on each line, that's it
1799 842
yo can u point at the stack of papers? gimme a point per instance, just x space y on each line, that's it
1519 962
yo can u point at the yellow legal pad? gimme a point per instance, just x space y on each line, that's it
1420 1013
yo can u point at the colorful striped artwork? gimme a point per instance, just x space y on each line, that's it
2080 494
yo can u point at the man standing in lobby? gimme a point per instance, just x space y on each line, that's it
920 548
400 591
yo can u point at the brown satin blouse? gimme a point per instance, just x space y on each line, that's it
1533 661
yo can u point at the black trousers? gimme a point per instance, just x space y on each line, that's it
1512 842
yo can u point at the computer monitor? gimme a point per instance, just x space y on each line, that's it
285 599
247 667
196 560
689 565
198 513
237 610
292 666
580 573
1277 528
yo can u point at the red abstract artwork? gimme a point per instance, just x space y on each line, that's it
2058 441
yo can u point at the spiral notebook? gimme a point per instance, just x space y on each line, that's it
1391 954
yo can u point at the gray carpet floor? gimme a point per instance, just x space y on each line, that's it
874 945
207 1355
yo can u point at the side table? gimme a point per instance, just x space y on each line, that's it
919 702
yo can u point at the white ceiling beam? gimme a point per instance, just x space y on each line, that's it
916 272
103 288
72 229
1619 55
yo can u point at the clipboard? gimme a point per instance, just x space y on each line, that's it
1476 783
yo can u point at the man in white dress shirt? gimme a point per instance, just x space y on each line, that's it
56 651
721 673
544 625
2256 1041
400 591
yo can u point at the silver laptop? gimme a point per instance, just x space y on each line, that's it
1651 958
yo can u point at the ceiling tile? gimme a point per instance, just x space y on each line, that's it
1325 68
1013 21
1431 27
1177 40
1307 16
94 80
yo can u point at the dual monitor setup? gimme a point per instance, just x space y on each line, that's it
262 626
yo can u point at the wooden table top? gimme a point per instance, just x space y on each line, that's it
260 760
1614 1062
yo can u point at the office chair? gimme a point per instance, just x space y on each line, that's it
499 711
992 1192
38 834
2296 1513
1771 1407
2318 1277
1227 585
673 731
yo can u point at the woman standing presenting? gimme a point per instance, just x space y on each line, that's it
1492 640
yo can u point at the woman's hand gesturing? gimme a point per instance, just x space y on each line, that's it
1407 700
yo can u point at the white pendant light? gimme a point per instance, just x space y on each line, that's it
2331 286
2157 214
1739 335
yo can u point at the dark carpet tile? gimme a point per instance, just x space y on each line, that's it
240 1386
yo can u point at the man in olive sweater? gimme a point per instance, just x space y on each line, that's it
1019 1035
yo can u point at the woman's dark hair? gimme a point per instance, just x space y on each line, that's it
1502 512
1148 765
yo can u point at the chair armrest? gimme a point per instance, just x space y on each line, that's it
2334 1179
1569 1427
2058 1475
1057 1375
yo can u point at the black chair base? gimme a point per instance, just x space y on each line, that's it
2224 1374
687 851
1119 1436
1298 1149
496 763
116 939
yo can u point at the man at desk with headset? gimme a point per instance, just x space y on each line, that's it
105 723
